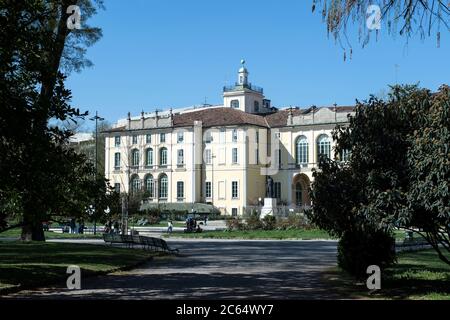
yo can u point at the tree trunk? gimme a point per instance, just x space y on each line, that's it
32 232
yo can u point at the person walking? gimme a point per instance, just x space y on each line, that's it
72 225
169 226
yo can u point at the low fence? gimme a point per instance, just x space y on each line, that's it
279 211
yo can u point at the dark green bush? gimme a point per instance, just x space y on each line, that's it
235 224
269 222
359 249
254 223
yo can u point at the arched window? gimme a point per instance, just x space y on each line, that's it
149 157
323 146
149 184
256 106
163 157
235 104
163 186
298 194
135 183
301 150
135 158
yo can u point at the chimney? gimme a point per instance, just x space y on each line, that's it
289 119
129 120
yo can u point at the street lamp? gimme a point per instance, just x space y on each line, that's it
96 119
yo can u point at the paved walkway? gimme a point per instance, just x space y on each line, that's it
211 269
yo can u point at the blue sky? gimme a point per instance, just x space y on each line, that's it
176 53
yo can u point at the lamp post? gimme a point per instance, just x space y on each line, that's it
96 119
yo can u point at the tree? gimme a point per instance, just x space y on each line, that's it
398 171
36 46
428 198
405 17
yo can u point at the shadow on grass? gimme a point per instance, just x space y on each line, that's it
34 264
417 275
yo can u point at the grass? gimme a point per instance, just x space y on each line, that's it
34 264
258 234
419 275
15 233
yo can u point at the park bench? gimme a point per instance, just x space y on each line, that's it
112 238
147 243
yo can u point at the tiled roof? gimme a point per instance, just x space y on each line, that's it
218 117
221 116
280 117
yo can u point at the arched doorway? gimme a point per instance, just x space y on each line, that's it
300 190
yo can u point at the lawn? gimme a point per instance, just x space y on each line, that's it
34 264
15 233
257 234
419 275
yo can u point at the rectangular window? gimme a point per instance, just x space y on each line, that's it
235 135
234 190
180 159
208 190
222 137
345 155
117 160
135 139
117 187
208 137
180 190
117 141
234 212
279 158
180 137
277 190
234 156
148 138
208 156
162 137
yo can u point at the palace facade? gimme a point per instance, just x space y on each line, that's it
222 155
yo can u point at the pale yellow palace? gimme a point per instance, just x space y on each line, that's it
222 155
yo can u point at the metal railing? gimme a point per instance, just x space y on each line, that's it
237 87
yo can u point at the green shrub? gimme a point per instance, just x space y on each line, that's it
293 221
359 249
235 224
254 223
269 222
